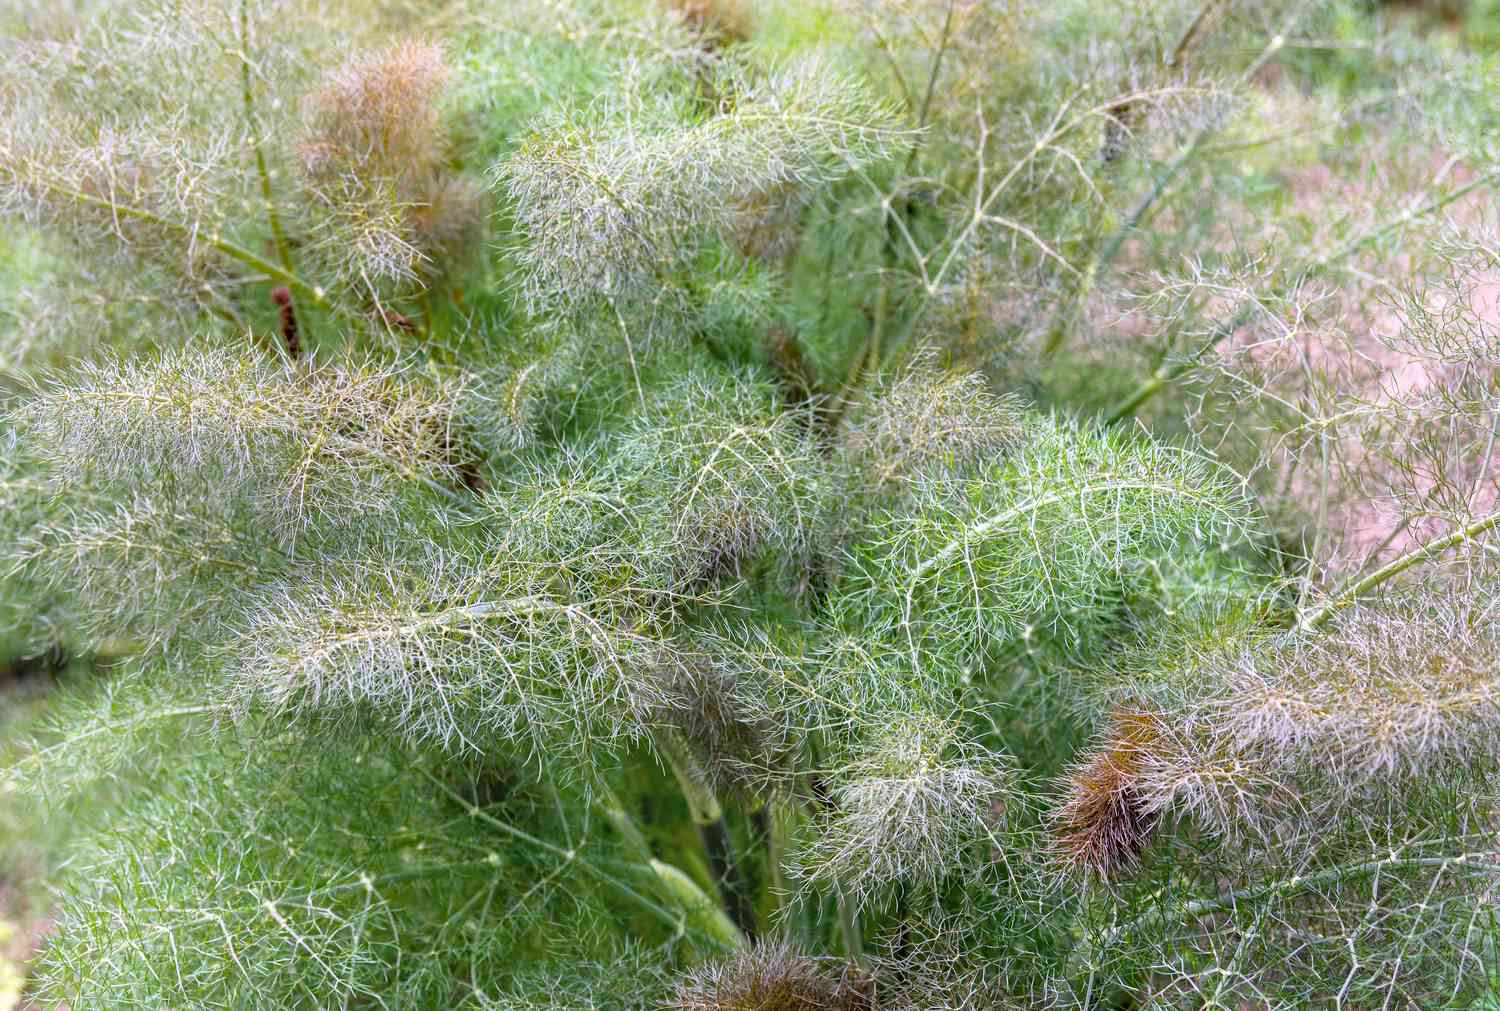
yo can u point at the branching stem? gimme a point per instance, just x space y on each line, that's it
1186 912
1393 862
1170 371
896 218
1342 598
1063 325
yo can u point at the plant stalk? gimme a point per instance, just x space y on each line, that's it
854 943
868 361
1169 372
679 884
1311 620
713 831
278 236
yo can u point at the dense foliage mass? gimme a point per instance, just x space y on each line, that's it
848 505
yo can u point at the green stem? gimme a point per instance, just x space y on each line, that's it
870 362
1189 33
840 406
854 944
713 831
635 373
932 76
710 916
230 249
1343 598
676 882
776 835
718 846
283 251
1063 326
1168 373
614 812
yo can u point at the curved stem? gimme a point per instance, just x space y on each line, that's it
1189 33
718 846
713 831
774 830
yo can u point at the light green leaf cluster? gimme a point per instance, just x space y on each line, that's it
1277 738
301 444
906 810
610 199
479 659
270 873
1050 540
127 129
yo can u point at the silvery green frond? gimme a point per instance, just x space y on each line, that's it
111 734
145 572
991 953
718 705
55 307
1394 692
1278 739
1378 913
606 203
370 237
520 59
710 482
479 657
81 193
114 128
565 505
306 444
732 480
846 682
505 403
924 422
905 809
627 599
27 609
